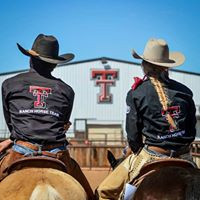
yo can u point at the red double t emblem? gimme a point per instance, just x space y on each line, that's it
104 78
41 94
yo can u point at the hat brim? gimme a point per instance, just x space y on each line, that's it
175 59
58 60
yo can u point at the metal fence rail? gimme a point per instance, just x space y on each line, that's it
92 156
4 133
195 150
93 153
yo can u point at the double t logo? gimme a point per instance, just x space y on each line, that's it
174 112
41 93
104 78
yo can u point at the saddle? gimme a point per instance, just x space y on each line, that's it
156 165
36 162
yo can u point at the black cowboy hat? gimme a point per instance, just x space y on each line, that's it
46 48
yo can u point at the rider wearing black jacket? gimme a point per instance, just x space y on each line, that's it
37 105
146 117
37 108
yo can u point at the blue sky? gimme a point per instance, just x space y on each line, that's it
92 29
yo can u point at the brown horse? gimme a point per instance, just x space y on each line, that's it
170 183
36 183
166 182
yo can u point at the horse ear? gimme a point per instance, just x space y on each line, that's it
111 159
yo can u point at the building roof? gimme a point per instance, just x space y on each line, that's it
102 59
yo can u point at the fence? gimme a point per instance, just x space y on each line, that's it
196 152
94 156
4 133
91 155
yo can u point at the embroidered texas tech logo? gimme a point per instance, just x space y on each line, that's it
174 112
104 78
41 93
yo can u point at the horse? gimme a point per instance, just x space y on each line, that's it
170 183
173 180
35 182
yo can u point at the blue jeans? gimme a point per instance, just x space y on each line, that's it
186 156
154 153
30 152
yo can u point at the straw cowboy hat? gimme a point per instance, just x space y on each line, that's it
46 48
157 52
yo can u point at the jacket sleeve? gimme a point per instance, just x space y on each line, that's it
6 106
193 120
71 102
133 124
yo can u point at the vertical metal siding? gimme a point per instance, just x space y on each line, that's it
78 76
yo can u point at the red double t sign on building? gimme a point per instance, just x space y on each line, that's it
105 79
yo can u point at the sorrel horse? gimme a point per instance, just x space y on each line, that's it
40 183
170 182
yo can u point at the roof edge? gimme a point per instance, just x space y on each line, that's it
13 72
102 59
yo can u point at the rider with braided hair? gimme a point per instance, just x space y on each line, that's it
160 120
161 91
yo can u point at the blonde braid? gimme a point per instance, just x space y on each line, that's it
153 72
163 98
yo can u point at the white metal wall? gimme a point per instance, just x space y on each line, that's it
85 106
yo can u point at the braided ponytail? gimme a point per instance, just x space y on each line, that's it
154 74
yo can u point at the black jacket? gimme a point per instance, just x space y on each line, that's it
145 116
36 107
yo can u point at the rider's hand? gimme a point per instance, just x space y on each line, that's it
67 125
5 144
127 151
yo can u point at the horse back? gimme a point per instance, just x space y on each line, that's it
31 183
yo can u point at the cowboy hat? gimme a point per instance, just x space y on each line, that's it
157 52
46 48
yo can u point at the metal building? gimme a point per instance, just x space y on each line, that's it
100 87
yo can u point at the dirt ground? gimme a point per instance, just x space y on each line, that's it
96 175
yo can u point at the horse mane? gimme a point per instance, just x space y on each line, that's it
45 192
